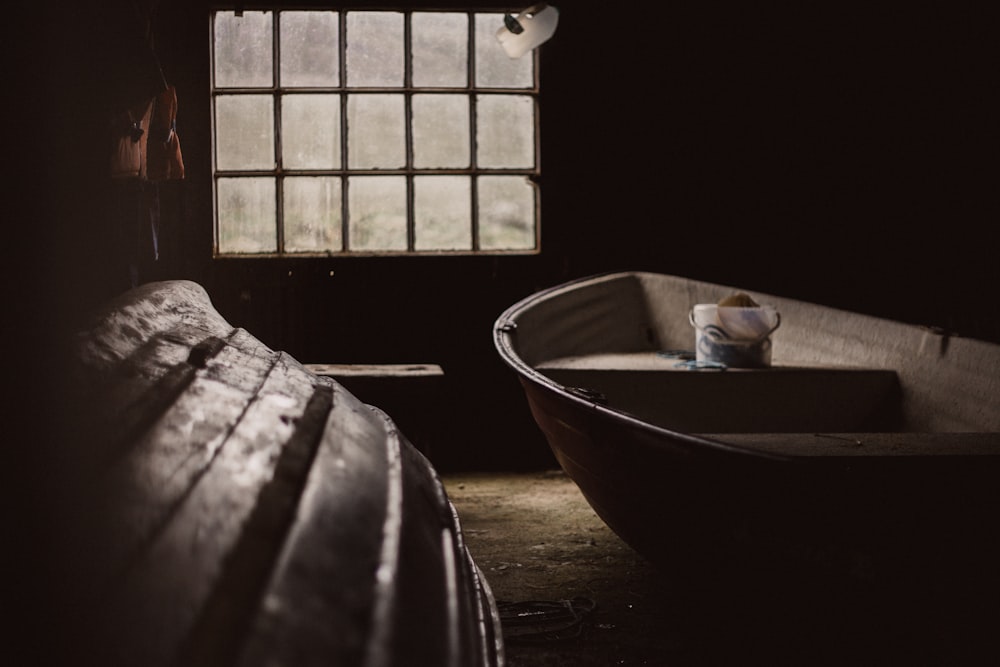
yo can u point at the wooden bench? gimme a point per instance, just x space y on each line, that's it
383 371
411 393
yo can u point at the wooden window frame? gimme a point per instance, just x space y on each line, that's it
409 172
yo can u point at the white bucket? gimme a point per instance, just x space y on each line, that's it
737 337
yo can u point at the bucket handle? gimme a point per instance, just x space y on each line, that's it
718 334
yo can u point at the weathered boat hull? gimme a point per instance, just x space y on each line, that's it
683 502
234 508
814 511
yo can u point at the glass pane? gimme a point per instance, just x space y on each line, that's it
312 213
374 49
494 68
505 131
377 212
376 132
441 213
309 48
244 132
243 49
310 131
247 221
440 45
441 131
506 213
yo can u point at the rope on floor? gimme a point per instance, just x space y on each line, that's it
536 621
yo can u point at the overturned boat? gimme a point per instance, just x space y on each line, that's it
834 447
223 505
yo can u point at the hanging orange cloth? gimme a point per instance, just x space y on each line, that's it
164 160
129 139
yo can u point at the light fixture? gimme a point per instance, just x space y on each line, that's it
529 29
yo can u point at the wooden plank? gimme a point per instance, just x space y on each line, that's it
336 552
376 370
204 517
129 501
115 331
119 405
198 513
402 590
221 626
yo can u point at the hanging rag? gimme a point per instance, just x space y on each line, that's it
129 139
164 160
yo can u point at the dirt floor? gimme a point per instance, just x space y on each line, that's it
548 556
571 593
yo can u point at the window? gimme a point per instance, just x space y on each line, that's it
354 132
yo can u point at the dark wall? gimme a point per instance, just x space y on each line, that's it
838 154
833 153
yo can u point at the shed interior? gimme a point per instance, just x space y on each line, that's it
840 153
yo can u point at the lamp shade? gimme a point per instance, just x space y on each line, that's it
531 28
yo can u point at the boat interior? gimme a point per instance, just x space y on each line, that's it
625 341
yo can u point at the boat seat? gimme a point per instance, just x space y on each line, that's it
780 399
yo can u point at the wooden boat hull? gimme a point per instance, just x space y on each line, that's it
227 506
812 513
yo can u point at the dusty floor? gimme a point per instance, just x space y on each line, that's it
538 541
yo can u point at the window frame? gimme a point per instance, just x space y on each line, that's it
409 172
